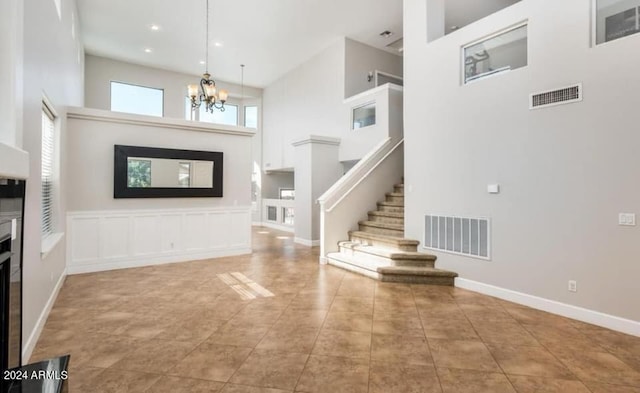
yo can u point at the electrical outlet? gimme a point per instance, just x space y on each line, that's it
627 219
573 286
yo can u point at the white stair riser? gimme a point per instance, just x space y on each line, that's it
448 281
353 268
366 261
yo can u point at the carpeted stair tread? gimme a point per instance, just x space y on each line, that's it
382 225
386 214
392 204
391 254
383 238
395 194
416 271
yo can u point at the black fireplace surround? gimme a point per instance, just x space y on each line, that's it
11 214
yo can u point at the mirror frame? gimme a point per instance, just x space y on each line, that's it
122 153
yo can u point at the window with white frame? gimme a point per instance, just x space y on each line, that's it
363 116
251 116
140 100
616 19
502 52
48 168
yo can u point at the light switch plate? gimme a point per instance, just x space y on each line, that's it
493 188
627 219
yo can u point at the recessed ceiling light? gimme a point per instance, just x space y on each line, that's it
154 27
386 34
218 44
148 50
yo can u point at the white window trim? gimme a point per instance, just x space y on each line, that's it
50 240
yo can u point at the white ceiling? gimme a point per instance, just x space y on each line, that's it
270 37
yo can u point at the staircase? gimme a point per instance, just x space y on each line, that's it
379 249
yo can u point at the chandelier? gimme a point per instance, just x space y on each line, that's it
208 94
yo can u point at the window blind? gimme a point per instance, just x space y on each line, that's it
48 143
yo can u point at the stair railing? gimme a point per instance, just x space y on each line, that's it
357 192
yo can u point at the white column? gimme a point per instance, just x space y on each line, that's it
317 167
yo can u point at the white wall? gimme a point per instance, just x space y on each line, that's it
101 71
53 65
93 133
11 39
566 171
106 233
356 143
360 59
307 100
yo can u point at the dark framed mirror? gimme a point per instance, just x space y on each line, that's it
151 172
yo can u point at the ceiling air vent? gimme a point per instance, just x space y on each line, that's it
565 95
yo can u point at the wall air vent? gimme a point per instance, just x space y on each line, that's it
458 235
565 95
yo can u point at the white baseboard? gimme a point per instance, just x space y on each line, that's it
278 227
566 310
323 260
154 260
29 345
306 242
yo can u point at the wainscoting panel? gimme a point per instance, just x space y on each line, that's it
170 236
219 230
240 230
87 232
107 240
196 238
145 235
116 243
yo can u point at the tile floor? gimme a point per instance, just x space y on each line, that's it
182 328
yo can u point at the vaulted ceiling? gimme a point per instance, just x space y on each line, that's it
270 37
